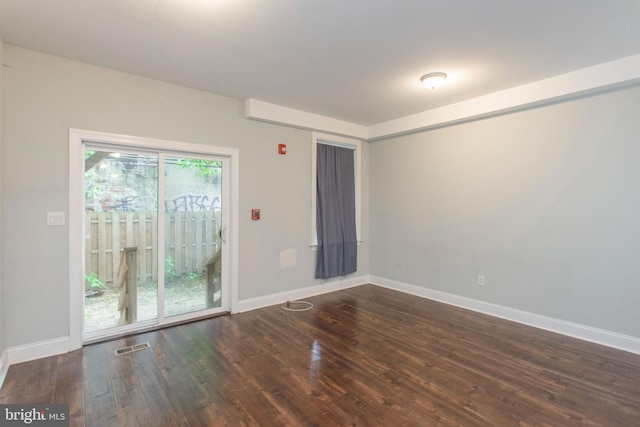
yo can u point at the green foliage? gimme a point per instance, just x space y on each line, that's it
203 168
169 268
192 277
94 281
91 188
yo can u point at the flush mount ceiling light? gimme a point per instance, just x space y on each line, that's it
433 80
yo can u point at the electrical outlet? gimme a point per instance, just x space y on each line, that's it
480 280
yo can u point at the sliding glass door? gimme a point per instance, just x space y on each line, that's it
153 242
192 238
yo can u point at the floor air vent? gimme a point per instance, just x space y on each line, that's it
132 348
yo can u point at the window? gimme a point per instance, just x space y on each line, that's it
343 143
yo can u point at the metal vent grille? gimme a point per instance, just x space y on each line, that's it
132 348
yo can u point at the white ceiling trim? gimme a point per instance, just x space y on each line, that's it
598 78
272 113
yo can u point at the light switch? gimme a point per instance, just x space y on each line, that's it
55 218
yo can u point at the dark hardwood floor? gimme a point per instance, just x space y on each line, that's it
366 356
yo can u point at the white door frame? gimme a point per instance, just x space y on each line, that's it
77 137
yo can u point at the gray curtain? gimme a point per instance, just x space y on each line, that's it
337 252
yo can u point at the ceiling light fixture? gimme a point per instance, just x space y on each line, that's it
433 80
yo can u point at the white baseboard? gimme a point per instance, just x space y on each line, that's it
4 367
37 350
296 294
53 347
575 330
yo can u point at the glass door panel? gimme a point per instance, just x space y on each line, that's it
153 239
192 231
121 239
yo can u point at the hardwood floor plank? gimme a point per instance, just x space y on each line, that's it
365 356
101 407
69 388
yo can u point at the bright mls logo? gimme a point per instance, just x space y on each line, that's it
34 415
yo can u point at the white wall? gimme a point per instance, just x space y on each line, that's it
2 266
47 95
544 203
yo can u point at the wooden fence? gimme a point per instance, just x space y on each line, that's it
191 238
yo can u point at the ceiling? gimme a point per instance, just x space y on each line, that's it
359 61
